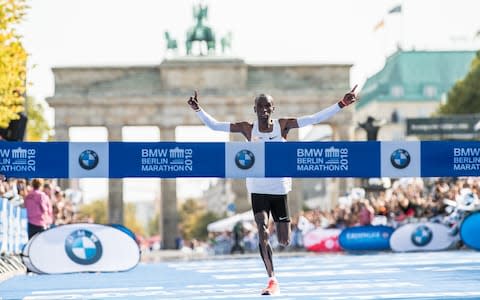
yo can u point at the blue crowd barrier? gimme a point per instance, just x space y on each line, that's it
13 227
240 159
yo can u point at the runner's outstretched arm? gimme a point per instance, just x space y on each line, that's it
240 127
208 120
324 114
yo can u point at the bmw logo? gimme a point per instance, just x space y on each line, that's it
400 158
83 247
421 236
244 159
88 159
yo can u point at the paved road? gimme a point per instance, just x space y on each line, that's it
433 275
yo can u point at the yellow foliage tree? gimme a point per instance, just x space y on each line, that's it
38 129
13 61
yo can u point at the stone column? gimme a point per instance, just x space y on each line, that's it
341 132
295 197
115 186
62 135
168 209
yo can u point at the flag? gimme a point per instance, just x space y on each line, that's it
379 25
396 9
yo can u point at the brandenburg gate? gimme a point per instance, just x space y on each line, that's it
156 95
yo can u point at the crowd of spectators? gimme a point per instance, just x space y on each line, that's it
402 201
405 200
46 203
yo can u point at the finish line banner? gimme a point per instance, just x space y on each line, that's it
239 159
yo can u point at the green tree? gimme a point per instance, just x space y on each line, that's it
194 219
97 212
131 219
464 97
38 129
153 225
13 61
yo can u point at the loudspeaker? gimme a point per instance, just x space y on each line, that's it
15 132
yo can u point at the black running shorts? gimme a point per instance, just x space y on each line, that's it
275 204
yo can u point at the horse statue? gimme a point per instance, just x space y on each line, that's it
200 32
171 42
226 42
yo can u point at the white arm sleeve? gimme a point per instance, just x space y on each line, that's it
212 123
319 116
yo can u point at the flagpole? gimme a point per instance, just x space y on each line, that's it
402 32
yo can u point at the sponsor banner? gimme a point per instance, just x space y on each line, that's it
31 160
469 231
450 159
323 159
400 159
88 160
322 240
81 248
167 159
244 160
361 238
239 159
462 124
422 237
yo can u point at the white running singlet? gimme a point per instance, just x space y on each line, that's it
271 185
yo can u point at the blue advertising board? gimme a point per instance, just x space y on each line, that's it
322 159
360 238
450 159
167 160
239 159
31 160
469 231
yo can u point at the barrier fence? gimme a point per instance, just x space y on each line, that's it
239 159
13 227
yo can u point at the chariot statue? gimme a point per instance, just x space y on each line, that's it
200 33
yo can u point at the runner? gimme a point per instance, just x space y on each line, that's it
269 195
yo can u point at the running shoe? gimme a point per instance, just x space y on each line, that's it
272 288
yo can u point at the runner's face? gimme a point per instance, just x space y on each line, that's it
264 108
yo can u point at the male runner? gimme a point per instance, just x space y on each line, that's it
269 195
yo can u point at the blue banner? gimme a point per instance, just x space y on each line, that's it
34 160
361 238
450 159
167 160
239 159
322 159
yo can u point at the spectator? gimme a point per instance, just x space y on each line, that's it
365 214
39 209
238 233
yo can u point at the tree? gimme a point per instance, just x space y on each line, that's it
131 219
464 97
97 211
38 129
13 62
194 220
153 225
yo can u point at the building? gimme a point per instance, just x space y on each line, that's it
412 84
